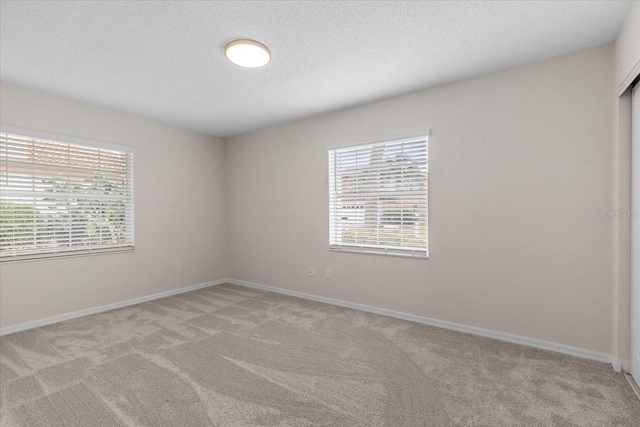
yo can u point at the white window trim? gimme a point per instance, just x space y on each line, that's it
405 252
65 138
359 142
31 133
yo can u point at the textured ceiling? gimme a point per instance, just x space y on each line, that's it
164 59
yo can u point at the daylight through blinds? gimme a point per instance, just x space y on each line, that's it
58 198
378 197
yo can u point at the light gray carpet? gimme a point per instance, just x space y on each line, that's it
232 356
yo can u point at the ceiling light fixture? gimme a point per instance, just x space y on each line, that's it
247 53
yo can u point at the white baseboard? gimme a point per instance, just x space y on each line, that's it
617 365
517 339
94 310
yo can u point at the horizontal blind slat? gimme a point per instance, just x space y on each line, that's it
58 197
378 197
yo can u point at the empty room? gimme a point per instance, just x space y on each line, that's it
319 213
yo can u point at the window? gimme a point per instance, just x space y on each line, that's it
63 196
378 197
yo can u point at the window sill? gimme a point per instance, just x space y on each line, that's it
70 254
372 251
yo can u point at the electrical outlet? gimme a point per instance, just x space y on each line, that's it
312 272
179 267
327 274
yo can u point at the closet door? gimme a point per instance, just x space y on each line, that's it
635 238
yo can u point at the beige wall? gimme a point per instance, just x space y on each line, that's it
179 213
520 165
627 68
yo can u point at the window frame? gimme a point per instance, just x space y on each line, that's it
82 142
418 253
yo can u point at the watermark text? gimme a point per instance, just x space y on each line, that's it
618 213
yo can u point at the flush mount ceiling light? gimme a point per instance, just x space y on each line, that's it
247 53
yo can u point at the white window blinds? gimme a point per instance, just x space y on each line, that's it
59 198
378 197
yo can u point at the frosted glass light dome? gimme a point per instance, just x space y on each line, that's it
247 53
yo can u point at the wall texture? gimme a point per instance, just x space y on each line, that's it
520 173
179 180
520 168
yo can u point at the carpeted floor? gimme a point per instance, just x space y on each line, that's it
232 356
